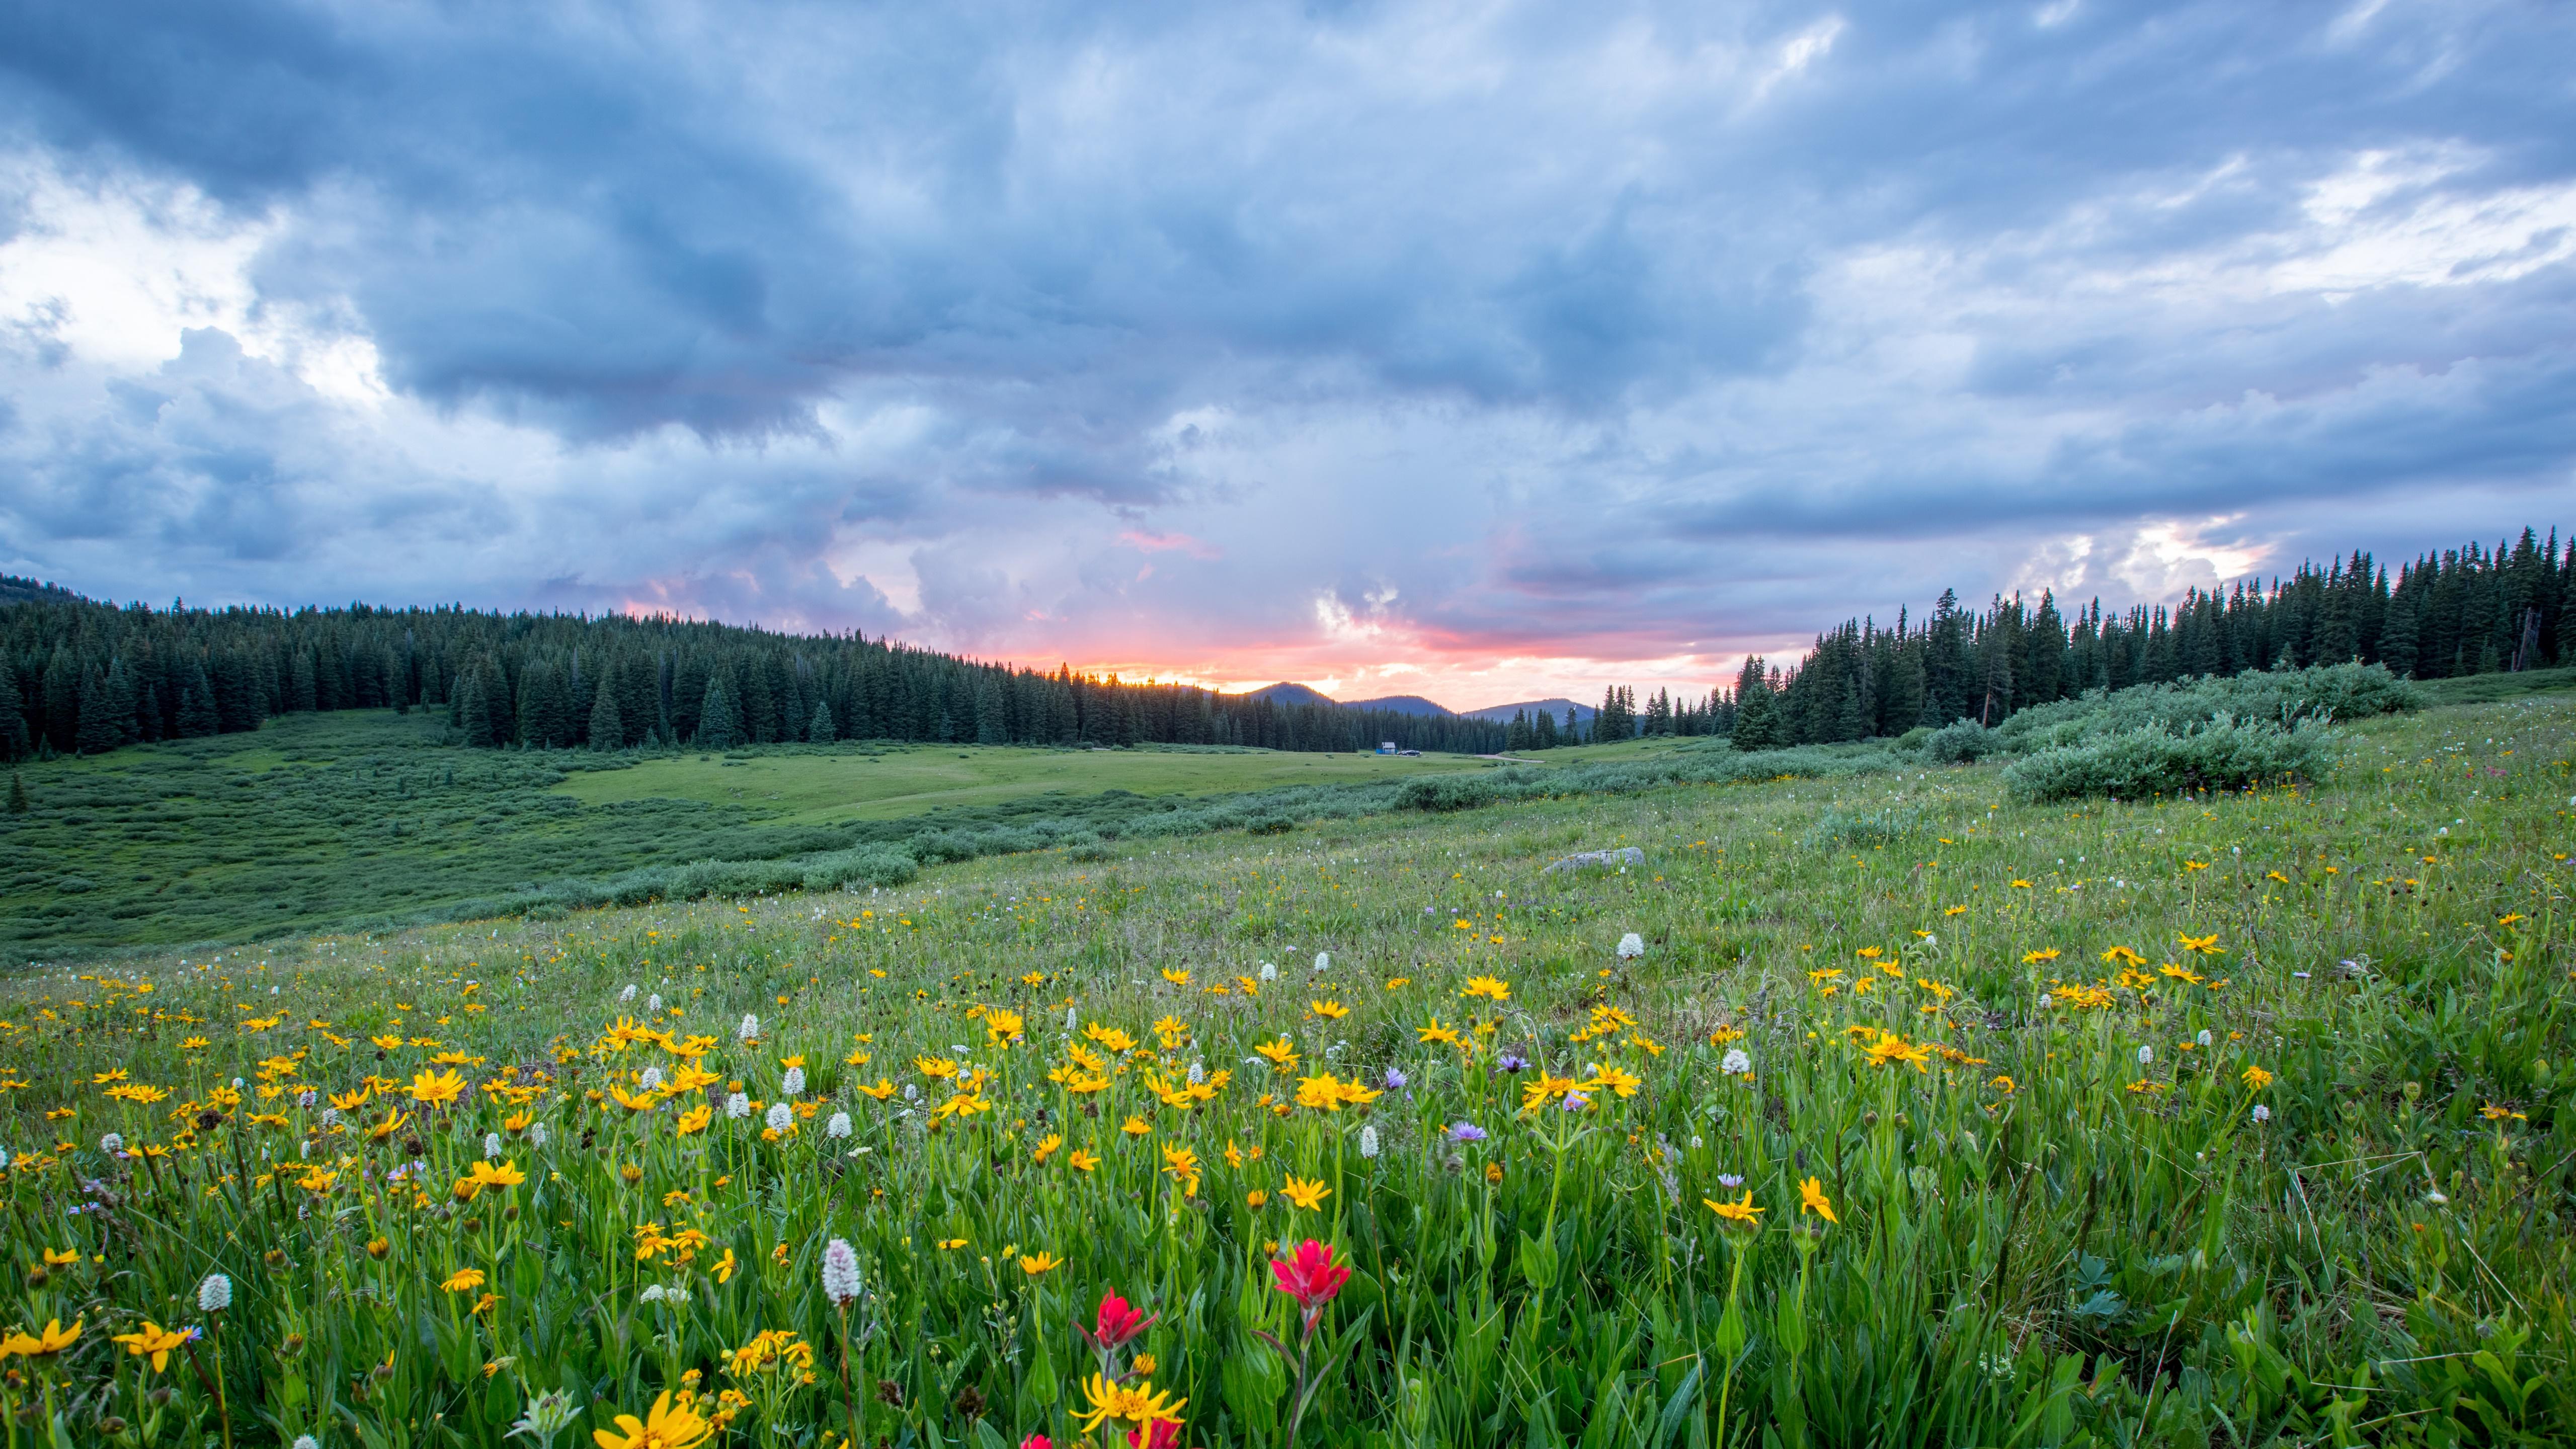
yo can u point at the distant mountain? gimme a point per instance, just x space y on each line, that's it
1414 704
1502 713
1291 695
1403 704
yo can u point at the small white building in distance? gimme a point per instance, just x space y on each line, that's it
1386 748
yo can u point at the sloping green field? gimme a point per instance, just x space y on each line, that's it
320 821
799 785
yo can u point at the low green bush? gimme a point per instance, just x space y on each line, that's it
2156 760
1962 743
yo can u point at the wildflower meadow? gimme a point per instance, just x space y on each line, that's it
1893 1109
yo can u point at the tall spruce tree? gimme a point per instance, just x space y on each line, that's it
472 716
720 714
15 738
99 730
607 728
818 730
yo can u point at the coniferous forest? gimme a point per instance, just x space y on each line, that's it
2472 610
78 676
88 677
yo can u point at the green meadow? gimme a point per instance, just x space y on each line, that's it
811 785
1922 1115
320 821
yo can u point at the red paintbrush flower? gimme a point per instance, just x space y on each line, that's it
1309 1275
1166 1435
1037 1441
1117 1323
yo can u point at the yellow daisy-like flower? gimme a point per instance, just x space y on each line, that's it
1811 1198
1304 1194
668 1426
1741 1212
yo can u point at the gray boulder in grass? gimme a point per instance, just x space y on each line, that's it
1625 855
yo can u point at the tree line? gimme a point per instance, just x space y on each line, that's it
78 676
2468 610
2461 611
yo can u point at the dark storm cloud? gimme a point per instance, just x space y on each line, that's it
1548 327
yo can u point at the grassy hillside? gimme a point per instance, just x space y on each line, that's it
2230 1119
891 783
326 820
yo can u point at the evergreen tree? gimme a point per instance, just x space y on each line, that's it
988 713
197 718
61 690
720 715
98 732
607 730
1543 735
545 717
14 734
17 795
818 730
1758 725
302 694
473 716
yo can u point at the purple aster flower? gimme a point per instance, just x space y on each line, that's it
1729 1181
1514 1062
1466 1132
1395 1079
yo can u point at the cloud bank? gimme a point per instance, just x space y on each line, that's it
1481 351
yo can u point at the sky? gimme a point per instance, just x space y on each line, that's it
1485 351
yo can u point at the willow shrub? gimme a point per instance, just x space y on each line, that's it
2158 760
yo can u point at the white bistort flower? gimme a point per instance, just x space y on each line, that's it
112 1142
1323 960
780 1117
1269 972
537 1133
2146 1055
1735 1063
653 1003
491 1144
1631 946
215 1294
307 1441
628 994
839 1126
737 1106
793 1084
651 1081
840 1272
1368 1142
749 1030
